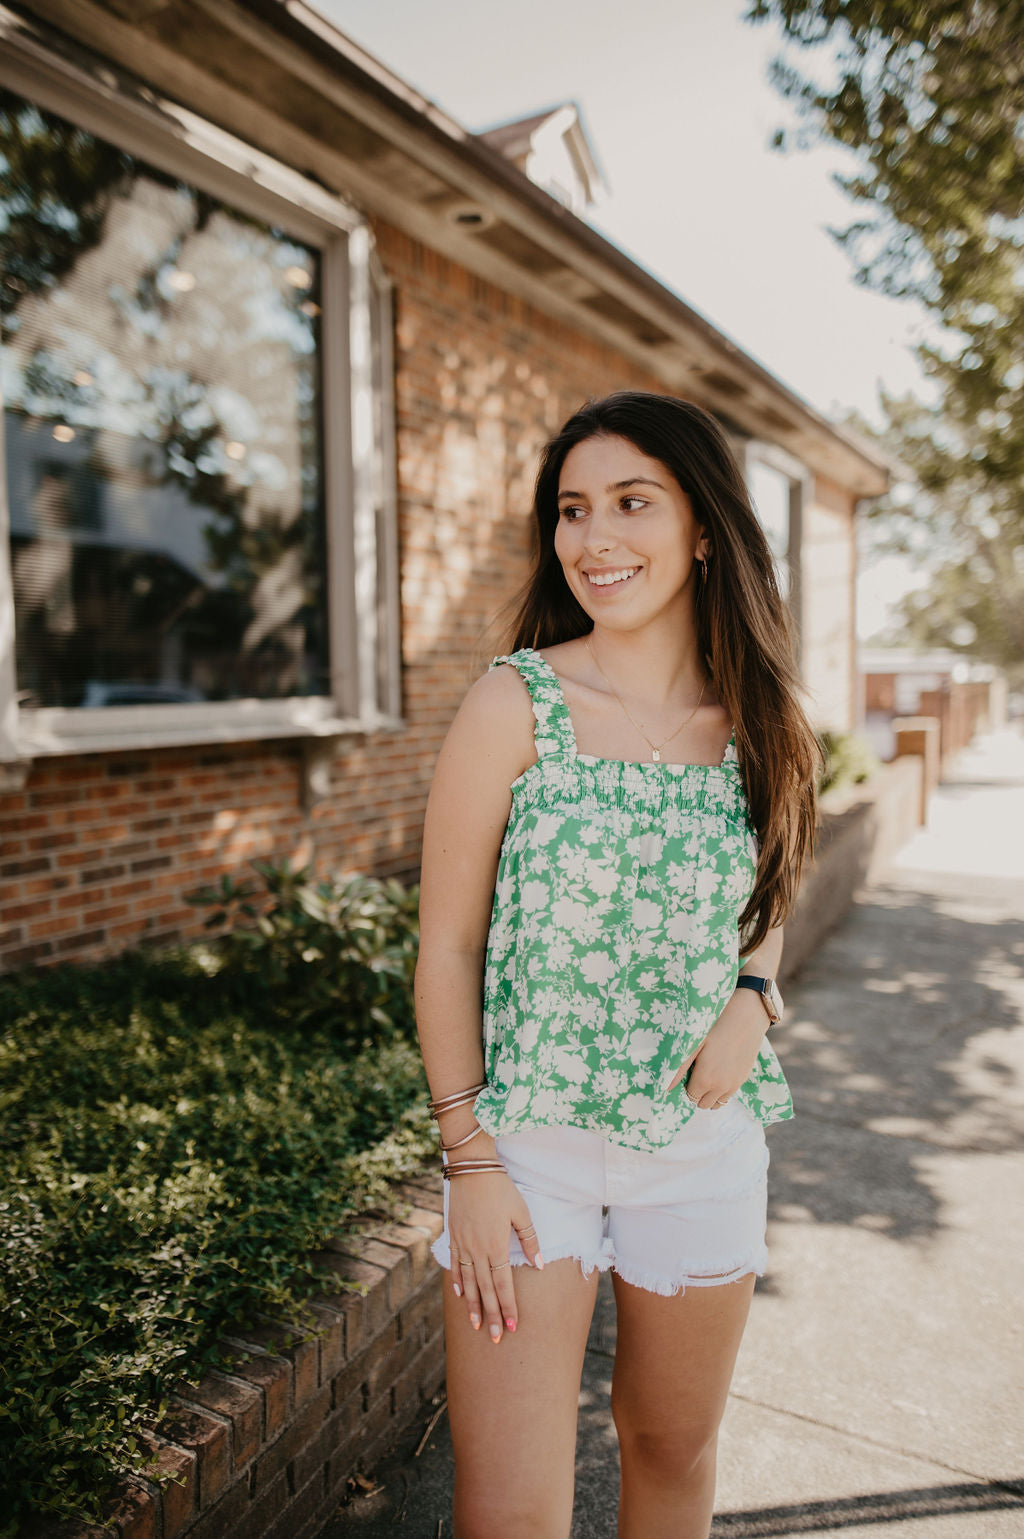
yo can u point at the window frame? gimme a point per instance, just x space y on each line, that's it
359 466
800 481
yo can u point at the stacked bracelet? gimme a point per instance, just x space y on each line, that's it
458 1098
448 1103
471 1168
460 1141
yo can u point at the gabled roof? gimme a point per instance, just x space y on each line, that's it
513 137
521 139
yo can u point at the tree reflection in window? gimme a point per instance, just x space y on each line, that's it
161 384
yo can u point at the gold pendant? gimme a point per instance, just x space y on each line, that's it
656 754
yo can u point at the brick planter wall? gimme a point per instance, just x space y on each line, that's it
266 1450
861 829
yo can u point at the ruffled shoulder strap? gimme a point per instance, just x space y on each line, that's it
553 733
731 756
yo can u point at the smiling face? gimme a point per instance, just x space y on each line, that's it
626 536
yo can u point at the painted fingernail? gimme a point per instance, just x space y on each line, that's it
495 1332
474 1321
458 1290
510 1322
539 1261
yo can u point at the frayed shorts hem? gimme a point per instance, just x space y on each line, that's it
650 1282
667 1287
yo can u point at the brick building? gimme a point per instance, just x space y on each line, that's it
281 344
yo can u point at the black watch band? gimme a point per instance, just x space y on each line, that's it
770 996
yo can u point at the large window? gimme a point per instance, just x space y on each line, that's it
188 558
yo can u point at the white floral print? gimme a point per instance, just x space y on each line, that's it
613 946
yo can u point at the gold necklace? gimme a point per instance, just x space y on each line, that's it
655 751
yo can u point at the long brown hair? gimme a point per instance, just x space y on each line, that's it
744 629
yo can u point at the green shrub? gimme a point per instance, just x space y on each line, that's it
171 1153
339 956
849 759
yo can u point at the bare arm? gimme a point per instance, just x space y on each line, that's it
489 744
764 962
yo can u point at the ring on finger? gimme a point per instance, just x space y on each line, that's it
467 1263
500 1265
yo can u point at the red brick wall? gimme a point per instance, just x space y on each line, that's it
99 850
267 1449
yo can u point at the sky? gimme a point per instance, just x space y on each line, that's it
677 105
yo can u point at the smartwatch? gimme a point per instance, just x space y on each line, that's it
770 996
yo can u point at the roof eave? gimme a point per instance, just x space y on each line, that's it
530 242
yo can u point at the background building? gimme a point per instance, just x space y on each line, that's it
964 697
281 344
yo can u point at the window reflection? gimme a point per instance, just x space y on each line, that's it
161 383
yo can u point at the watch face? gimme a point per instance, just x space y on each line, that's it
774 998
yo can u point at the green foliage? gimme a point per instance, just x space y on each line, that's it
171 1153
928 97
340 957
848 759
968 506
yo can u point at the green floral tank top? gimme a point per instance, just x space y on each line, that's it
613 945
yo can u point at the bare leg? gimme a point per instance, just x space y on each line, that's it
673 1364
513 1407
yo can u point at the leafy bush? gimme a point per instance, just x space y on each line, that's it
849 759
335 956
170 1156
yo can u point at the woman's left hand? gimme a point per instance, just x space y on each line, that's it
727 1054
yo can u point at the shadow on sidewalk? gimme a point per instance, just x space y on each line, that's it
910 1002
866 1511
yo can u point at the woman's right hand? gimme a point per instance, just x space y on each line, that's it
483 1210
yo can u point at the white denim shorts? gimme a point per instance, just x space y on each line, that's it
692 1213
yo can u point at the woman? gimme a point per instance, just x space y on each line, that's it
619 802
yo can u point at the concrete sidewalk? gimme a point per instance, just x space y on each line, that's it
880 1384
